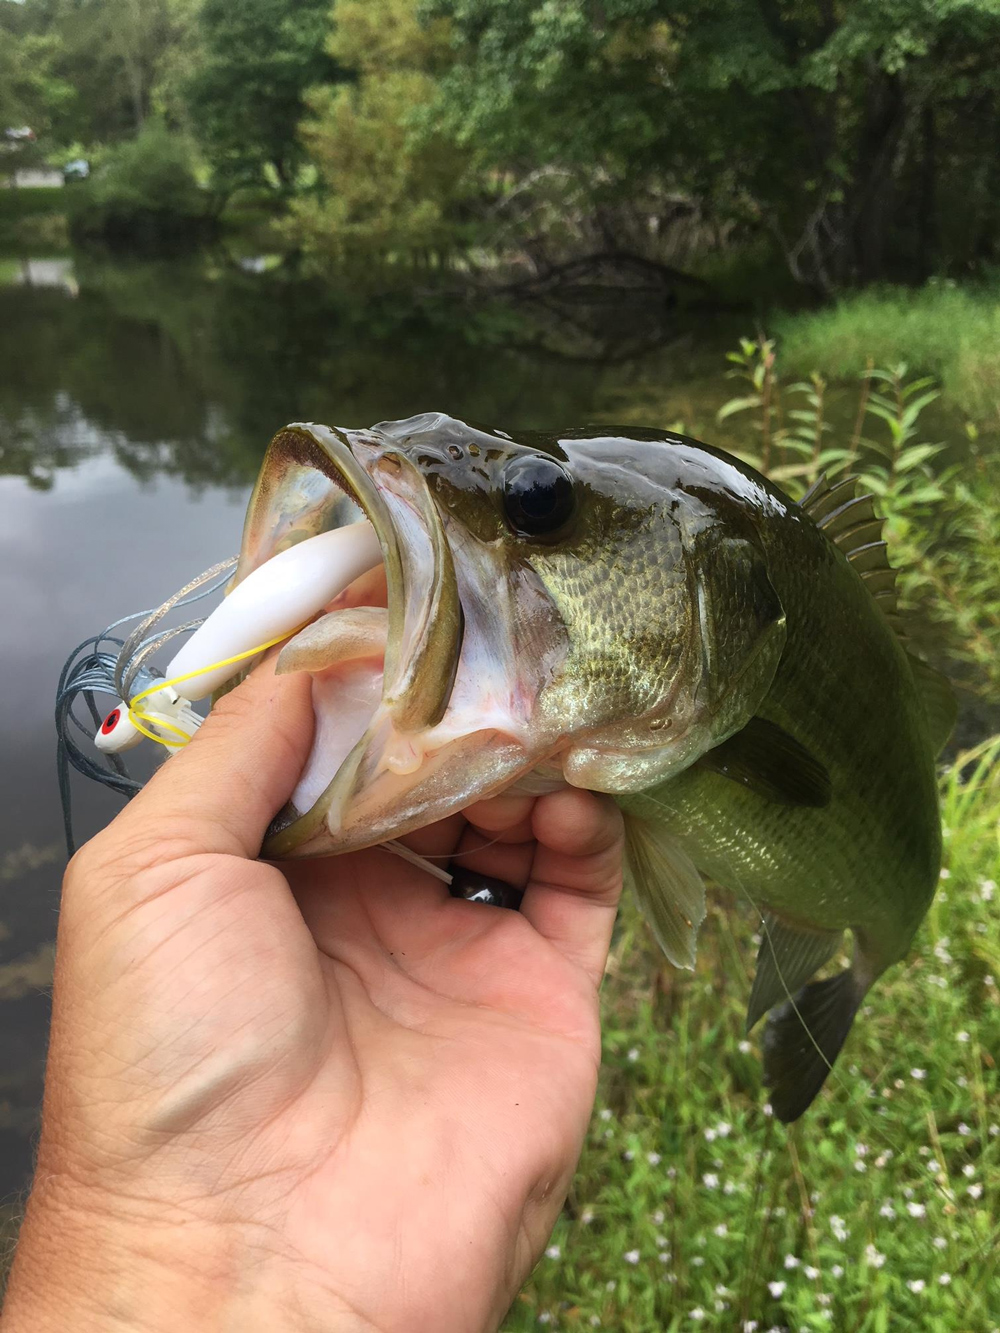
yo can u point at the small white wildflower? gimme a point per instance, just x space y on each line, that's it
710 1180
987 888
994 1130
710 1135
587 1216
962 1081
811 1273
836 1271
545 1317
989 980
720 1290
605 1113
659 1217
776 1289
964 1130
945 873
631 1256
768 1109
963 1037
975 1191
945 1279
824 1297
664 1256
629 1155
697 1314
859 1165
633 1054
653 1158
750 1326
881 1160
968 1170
918 1074
838 1228
916 1209
916 1284
610 1285
553 1252
874 1257
745 1049
698 1261
729 1188
939 1243
595 1321
723 1129
721 1229
924 1151
792 1261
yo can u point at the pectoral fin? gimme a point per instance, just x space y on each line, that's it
787 958
667 887
771 763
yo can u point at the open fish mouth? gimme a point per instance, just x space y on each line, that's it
421 706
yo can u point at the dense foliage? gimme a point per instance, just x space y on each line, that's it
839 134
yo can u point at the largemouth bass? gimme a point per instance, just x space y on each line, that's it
640 614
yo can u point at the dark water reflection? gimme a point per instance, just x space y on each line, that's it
135 404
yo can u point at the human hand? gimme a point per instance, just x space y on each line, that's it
320 1096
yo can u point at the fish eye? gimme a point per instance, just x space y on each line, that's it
537 496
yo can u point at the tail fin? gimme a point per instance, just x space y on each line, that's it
803 1037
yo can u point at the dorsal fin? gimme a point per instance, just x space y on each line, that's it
850 520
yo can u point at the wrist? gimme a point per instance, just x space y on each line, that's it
105 1266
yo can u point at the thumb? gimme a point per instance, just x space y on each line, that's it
220 792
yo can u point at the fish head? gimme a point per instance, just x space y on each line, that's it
556 609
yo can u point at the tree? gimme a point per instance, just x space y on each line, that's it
259 57
389 185
841 126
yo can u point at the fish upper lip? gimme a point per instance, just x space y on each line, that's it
425 617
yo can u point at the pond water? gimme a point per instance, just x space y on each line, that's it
135 405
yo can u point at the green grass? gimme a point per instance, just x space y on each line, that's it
948 330
693 1209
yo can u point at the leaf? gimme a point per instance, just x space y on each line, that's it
738 405
915 454
913 410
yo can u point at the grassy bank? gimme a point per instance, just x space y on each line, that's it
34 219
944 329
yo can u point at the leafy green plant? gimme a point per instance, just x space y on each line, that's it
942 523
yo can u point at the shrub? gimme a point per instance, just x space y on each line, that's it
144 195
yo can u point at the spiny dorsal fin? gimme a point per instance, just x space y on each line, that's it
669 890
850 521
